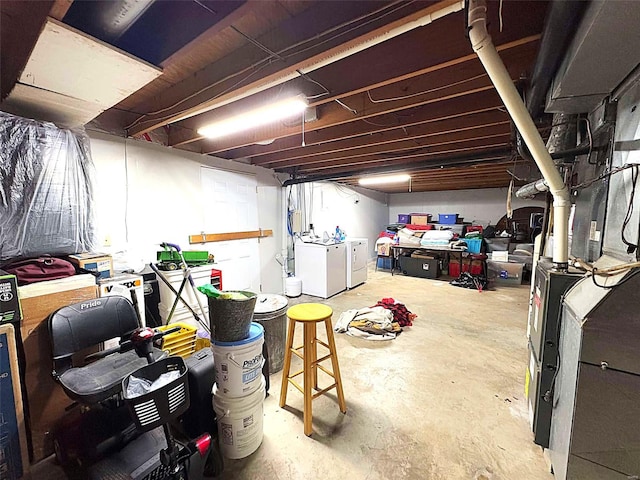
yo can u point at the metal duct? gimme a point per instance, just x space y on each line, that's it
488 55
555 38
532 189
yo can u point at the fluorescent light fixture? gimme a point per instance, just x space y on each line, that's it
255 118
385 179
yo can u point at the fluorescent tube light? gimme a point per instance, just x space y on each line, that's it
385 179
255 118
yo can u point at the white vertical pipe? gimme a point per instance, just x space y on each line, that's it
488 55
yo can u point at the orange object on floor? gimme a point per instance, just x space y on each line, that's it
309 314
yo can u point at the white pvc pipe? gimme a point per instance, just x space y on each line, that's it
488 55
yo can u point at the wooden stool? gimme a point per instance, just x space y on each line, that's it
309 314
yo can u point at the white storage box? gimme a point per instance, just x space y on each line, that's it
201 276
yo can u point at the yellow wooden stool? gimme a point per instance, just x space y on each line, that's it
309 314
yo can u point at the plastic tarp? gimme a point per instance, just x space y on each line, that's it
46 189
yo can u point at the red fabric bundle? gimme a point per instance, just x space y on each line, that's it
400 313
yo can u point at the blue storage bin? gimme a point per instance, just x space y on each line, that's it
404 218
474 245
384 262
447 218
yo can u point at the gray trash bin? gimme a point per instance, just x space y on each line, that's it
271 312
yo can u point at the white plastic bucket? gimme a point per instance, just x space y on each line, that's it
238 365
293 287
239 422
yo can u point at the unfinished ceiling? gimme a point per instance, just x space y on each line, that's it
418 102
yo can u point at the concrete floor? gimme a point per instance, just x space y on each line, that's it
445 400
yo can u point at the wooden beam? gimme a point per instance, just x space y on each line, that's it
437 80
467 148
20 26
60 9
487 101
223 237
396 153
290 147
409 142
276 76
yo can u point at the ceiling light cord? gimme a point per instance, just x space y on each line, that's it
303 144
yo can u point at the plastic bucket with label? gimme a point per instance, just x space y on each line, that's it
238 365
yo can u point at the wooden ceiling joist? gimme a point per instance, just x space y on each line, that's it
440 81
408 146
276 76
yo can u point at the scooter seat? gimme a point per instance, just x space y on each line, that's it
101 379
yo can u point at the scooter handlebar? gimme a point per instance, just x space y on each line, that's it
129 344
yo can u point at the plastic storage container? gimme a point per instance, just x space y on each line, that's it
474 245
404 218
293 287
454 267
182 342
447 218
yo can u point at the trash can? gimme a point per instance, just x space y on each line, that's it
271 312
230 318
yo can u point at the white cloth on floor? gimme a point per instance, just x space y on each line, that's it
372 314
379 315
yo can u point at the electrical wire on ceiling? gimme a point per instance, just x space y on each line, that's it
309 79
375 15
261 64
424 92
380 124
345 106
139 120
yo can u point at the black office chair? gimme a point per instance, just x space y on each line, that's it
87 324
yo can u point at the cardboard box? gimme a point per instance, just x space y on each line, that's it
420 218
126 285
46 400
94 262
384 249
10 311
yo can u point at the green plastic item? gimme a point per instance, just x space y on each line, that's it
212 292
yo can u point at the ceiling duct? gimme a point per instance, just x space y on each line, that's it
603 52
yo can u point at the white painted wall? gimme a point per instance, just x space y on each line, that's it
360 212
480 206
147 194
